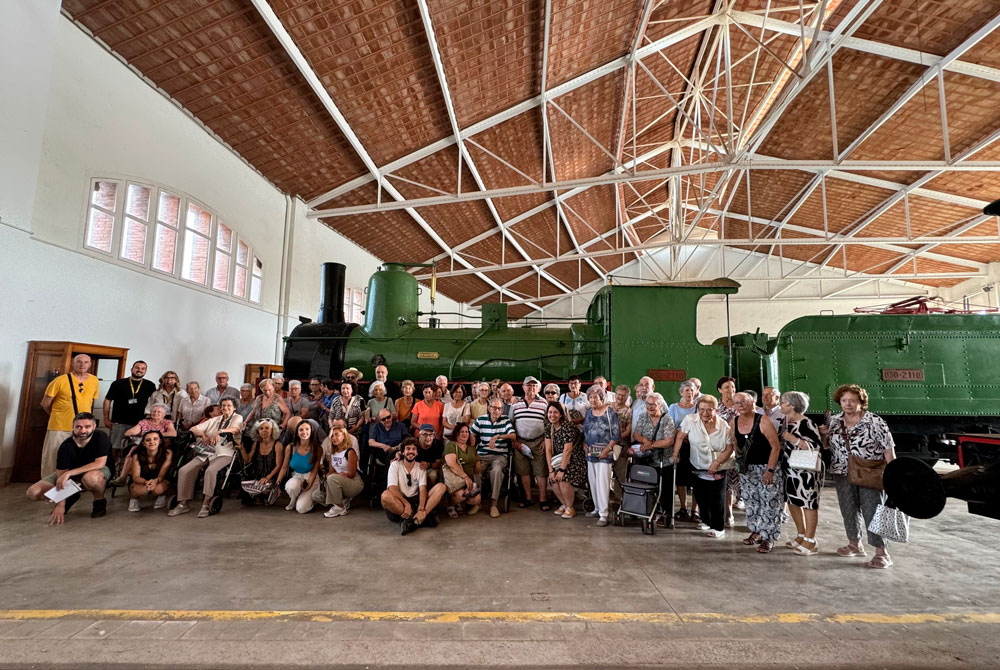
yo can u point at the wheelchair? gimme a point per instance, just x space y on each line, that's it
223 486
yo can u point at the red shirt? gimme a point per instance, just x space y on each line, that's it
421 414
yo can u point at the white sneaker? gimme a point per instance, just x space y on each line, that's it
161 502
715 533
559 510
703 526
335 510
133 505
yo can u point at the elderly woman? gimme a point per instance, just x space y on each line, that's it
349 407
601 432
575 402
217 448
269 405
158 422
481 405
298 404
168 393
455 412
343 480
622 406
683 477
551 392
304 456
801 486
709 438
654 433
264 461
856 433
461 465
245 404
761 480
404 404
379 401
563 437
149 471
191 407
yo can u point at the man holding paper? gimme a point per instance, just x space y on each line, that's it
80 465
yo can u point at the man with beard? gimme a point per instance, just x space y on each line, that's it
125 402
406 499
83 458
430 453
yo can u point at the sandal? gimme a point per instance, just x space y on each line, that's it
791 544
803 550
752 539
682 514
695 517
880 562
525 503
847 551
765 547
545 506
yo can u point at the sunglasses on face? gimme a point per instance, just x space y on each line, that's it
386 418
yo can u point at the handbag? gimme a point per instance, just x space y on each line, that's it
808 460
890 523
861 471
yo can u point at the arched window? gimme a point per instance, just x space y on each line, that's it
172 235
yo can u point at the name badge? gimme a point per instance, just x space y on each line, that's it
133 401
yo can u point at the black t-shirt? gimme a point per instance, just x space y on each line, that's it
71 456
434 453
128 407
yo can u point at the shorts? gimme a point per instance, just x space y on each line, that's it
413 502
532 466
51 479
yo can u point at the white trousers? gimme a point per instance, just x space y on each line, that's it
303 503
599 477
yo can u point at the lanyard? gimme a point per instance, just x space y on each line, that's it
133 388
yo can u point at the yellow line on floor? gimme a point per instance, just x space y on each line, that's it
508 617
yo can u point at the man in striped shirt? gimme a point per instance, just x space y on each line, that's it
494 435
529 424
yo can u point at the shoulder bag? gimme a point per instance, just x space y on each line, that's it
861 471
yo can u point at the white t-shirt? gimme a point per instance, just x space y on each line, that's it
338 461
397 477
579 403
453 415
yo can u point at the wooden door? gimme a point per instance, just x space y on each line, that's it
46 361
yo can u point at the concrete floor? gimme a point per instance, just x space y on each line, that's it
518 592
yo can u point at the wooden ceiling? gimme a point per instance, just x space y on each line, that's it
854 92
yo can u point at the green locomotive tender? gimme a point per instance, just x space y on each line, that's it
928 375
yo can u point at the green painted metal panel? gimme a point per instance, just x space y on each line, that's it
915 365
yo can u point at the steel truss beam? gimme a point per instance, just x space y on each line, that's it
286 41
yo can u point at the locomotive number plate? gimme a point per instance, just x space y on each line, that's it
902 375
433 355
668 375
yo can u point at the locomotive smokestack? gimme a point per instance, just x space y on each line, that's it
331 293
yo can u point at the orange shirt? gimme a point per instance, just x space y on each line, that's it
421 414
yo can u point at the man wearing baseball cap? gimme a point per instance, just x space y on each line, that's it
529 424
430 453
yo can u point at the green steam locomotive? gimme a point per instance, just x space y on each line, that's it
929 375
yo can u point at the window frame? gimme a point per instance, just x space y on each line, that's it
120 219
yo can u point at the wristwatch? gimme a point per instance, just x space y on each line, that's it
771 470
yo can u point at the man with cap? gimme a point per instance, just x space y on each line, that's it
529 424
430 453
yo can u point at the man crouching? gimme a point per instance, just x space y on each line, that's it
83 458
406 499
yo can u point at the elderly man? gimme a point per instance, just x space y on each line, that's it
770 398
430 453
494 435
645 386
222 389
609 395
697 387
529 424
508 398
125 402
386 434
82 457
391 388
66 396
406 500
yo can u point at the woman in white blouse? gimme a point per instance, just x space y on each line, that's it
711 442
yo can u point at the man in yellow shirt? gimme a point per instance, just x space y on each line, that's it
66 396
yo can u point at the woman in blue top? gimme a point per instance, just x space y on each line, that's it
304 458
600 434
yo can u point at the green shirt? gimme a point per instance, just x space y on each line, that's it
467 459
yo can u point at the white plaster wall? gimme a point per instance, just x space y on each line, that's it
27 28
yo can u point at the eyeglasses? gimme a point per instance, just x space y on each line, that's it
496 408
552 393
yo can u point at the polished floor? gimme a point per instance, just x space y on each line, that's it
268 588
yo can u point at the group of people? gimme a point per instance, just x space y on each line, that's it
457 449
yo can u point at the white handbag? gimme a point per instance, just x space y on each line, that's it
890 523
808 460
